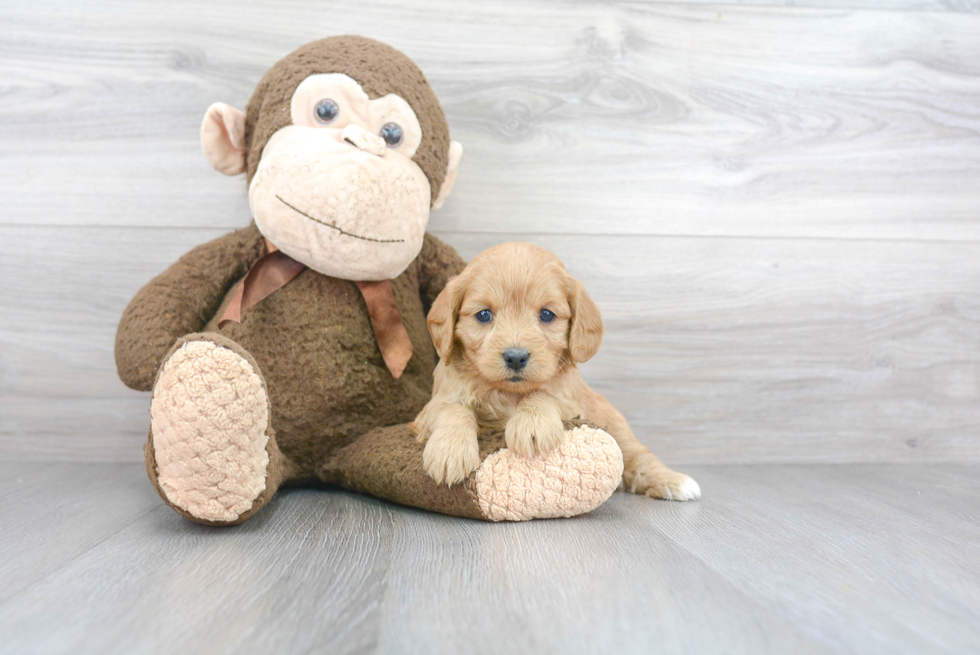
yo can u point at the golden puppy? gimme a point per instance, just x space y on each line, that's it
510 330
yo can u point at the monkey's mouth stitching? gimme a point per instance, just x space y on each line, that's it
342 231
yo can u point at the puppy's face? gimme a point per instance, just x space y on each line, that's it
514 318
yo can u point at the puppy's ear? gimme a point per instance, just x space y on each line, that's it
585 332
443 316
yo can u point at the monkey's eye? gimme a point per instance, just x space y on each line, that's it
546 316
392 134
484 316
326 111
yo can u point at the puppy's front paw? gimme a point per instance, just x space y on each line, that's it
451 454
661 482
528 433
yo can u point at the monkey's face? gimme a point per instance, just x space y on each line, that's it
341 172
337 190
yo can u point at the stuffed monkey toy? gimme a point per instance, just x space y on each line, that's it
296 349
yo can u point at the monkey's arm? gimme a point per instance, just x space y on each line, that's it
180 301
438 264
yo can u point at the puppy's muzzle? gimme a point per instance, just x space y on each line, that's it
516 359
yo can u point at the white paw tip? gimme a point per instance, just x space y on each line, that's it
689 490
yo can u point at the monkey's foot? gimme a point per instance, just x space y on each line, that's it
212 453
574 478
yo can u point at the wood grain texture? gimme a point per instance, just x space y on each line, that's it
775 206
793 559
717 350
962 6
89 503
588 117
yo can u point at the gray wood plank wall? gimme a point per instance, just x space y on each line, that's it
777 207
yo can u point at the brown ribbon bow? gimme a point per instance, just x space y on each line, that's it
275 269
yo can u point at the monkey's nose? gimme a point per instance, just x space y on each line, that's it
516 358
360 138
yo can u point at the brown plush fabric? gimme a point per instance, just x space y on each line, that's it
387 463
378 67
312 339
433 272
180 301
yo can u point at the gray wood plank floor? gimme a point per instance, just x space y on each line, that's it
775 559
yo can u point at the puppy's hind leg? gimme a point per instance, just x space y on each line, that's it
646 474
643 472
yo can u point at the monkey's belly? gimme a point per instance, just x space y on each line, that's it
326 379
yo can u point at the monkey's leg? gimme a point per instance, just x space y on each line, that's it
574 478
212 453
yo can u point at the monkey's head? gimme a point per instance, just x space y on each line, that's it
346 148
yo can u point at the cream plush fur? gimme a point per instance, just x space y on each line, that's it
514 488
362 217
209 415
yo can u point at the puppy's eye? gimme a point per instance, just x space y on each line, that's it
546 316
484 316
326 111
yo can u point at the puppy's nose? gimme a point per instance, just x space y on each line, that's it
516 358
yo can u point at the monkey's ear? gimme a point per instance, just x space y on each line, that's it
223 138
443 316
585 333
455 154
